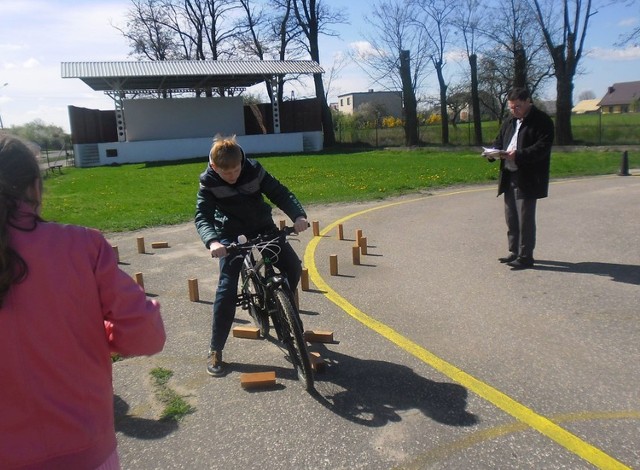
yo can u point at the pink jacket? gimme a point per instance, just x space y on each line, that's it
56 396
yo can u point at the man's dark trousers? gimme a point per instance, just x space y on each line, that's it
520 215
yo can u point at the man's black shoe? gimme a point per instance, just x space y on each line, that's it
521 263
508 259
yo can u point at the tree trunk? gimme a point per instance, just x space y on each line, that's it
443 105
564 103
520 67
409 101
314 51
475 99
328 131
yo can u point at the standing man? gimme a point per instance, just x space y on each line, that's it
525 140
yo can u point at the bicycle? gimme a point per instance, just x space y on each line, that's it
266 294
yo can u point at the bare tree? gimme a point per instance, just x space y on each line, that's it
457 100
314 18
515 33
469 20
633 37
209 26
495 81
587 95
147 33
396 57
340 61
182 29
436 21
286 35
564 36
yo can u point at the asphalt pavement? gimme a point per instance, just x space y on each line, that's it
443 358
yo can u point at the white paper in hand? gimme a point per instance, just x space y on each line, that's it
491 152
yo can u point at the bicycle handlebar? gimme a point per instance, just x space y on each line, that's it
240 246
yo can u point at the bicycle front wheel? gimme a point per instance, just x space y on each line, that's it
293 338
252 292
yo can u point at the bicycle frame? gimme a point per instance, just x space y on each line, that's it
263 269
266 293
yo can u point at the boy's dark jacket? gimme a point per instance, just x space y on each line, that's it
533 156
224 211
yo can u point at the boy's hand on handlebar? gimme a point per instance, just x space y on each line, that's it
217 250
301 224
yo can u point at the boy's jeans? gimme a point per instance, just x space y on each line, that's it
224 306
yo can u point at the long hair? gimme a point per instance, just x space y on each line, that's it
19 170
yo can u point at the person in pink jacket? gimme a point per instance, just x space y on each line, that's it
65 305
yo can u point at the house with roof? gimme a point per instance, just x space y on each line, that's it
172 110
586 107
621 97
389 102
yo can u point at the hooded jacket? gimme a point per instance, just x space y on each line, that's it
224 211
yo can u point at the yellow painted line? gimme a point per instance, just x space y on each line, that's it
432 456
538 422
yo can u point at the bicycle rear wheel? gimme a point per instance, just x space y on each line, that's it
293 338
252 292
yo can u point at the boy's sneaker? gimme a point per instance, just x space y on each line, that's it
215 366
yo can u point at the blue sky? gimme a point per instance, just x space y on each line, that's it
37 35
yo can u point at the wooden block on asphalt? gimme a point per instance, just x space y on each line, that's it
258 379
355 254
304 279
194 293
318 336
363 245
139 279
140 243
317 363
246 332
333 265
159 244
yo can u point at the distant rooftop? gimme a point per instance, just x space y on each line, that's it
621 94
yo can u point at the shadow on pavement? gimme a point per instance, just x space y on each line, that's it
374 393
139 428
627 273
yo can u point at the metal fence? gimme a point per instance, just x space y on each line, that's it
595 133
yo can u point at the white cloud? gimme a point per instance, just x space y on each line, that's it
31 54
456 55
364 50
31 63
628 22
615 55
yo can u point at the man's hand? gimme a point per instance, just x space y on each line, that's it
511 155
301 224
217 250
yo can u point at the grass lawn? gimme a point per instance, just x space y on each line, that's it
130 197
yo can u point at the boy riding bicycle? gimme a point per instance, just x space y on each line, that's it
230 202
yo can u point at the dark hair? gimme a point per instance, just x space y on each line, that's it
19 170
518 94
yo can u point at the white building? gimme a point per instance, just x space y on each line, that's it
165 110
389 101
